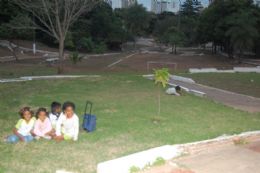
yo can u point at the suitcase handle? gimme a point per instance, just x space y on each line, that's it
88 103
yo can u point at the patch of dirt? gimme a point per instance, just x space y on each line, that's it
254 146
136 63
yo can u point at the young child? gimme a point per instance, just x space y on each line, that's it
42 127
55 113
23 128
174 91
67 127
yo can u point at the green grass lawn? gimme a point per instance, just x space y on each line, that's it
243 83
125 106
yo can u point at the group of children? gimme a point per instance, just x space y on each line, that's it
60 124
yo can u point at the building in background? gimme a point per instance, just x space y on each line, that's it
160 6
109 2
120 3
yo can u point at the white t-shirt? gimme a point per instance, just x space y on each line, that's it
68 126
54 119
172 91
25 128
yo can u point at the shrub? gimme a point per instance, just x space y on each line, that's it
134 169
100 47
159 161
75 58
68 43
86 43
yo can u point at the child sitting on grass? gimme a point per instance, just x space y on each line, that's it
42 127
23 128
55 113
67 127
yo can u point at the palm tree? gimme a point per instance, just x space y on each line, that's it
161 77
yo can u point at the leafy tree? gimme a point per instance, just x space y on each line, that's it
100 25
175 38
161 77
55 18
190 12
162 26
242 31
136 20
10 16
191 8
225 24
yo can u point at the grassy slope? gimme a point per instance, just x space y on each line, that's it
125 105
244 83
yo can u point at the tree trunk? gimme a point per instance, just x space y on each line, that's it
175 51
240 56
13 49
212 48
159 101
61 56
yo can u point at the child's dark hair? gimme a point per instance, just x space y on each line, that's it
54 106
25 109
178 88
68 104
41 110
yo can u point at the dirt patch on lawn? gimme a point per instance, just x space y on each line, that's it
254 146
134 64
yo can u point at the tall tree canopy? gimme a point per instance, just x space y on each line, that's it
230 24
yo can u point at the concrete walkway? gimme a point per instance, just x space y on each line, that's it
237 101
227 159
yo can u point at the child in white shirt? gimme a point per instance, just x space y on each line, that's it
67 126
55 113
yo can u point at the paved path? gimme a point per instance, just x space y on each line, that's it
120 60
237 101
225 159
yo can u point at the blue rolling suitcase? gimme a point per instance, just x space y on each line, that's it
89 121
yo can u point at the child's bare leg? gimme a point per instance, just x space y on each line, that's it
59 138
51 133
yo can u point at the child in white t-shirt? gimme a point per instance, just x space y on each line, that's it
67 126
55 113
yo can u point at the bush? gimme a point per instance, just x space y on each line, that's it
134 169
100 48
75 58
86 43
159 161
68 43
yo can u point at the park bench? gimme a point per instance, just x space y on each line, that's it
52 61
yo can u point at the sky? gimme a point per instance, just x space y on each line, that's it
147 3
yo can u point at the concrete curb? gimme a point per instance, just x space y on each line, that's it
234 70
182 79
174 77
29 78
167 152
